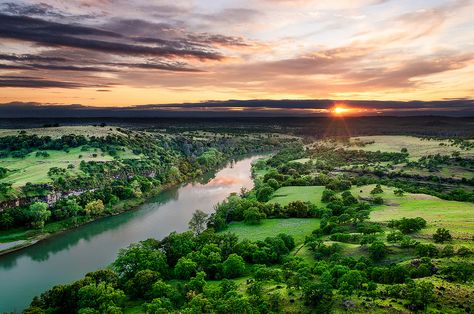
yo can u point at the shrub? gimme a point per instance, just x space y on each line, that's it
442 235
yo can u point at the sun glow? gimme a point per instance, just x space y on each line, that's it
339 110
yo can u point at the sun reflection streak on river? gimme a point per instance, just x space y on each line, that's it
70 256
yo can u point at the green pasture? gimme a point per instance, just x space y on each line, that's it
416 146
458 217
299 228
35 169
287 194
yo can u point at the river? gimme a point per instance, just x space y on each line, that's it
69 256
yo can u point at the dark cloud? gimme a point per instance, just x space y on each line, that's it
35 82
253 107
76 36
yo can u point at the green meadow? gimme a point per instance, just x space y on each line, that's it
35 169
299 228
417 147
458 217
288 194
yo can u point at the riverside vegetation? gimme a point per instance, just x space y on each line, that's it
56 178
330 226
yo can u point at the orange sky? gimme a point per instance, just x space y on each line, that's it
122 53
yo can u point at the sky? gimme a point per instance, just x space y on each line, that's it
126 53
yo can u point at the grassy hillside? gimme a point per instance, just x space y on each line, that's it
34 168
417 147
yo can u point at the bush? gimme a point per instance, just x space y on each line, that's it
233 266
253 216
408 225
377 250
442 235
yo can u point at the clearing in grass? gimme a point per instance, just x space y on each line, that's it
288 194
299 228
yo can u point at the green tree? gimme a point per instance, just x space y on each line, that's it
185 268
141 283
264 193
38 214
377 190
253 216
198 282
94 208
139 257
399 192
273 183
198 222
233 266
350 281
99 296
377 250
442 235
319 296
158 306
420 294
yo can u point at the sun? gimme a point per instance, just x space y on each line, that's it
340 110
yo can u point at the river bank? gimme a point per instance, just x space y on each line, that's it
24 240
68 257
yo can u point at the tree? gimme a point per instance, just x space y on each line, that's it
198 282
350 281
158 306
273 183
185 268
399 192
70 209
420 294
395 236
94 208
328 196
408 225
38 214
99 296
253 216
6 220
377 190
442 235
142 283
377 250
319 295
139 257
198 222
264 193
233 266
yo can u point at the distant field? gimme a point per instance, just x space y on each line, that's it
287 194
416 146
301 160
458 217
455 172
299 228
35 169
56 132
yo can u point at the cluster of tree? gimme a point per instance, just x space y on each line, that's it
163 161
171 275
248 209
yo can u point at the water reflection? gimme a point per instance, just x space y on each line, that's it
69 256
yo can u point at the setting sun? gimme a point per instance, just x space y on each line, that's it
339 110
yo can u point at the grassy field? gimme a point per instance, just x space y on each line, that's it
287 194
35 169
57 132
416 146
299 228
458 217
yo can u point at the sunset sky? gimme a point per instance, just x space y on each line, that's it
125 53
